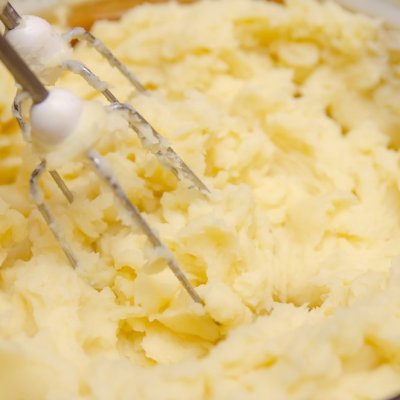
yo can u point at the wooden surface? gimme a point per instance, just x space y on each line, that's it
87 12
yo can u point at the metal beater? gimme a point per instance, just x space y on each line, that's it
76 125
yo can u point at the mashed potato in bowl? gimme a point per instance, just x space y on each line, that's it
290 114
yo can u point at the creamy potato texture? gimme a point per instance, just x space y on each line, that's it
290 114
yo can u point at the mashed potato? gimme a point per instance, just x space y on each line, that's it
291 115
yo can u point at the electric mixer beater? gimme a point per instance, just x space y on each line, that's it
76 125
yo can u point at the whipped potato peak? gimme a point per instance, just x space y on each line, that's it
290 114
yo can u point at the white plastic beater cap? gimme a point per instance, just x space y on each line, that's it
56 118
40 45
31 36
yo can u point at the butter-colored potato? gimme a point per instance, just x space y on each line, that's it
291 115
